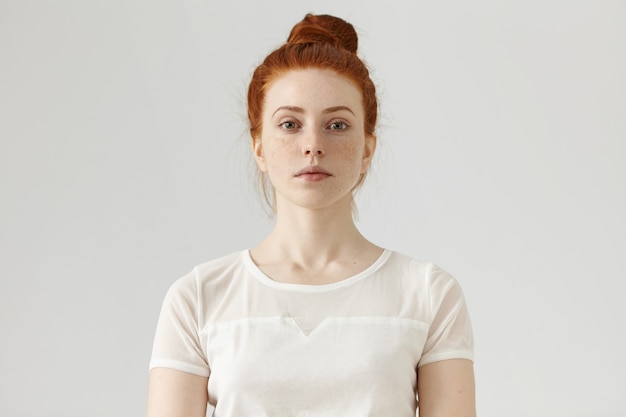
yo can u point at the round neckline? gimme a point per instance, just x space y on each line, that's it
266 280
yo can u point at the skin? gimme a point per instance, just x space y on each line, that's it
173 393
447 389
313 119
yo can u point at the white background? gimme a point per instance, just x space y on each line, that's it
124 162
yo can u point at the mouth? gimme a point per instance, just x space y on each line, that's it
313 173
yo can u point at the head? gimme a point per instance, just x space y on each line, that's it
321 42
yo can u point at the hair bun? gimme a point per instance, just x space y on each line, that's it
325 29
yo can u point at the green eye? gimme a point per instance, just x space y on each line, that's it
289 125
338 126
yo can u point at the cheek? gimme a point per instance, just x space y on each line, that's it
350 152
277 154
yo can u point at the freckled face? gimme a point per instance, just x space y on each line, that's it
313 144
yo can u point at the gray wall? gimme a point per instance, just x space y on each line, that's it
124 162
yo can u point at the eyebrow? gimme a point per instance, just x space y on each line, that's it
297 109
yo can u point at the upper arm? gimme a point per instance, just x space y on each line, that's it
175 393
446 389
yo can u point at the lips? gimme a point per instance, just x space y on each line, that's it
313 173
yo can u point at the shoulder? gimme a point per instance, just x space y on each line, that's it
425 280
211 273
218 266
417 270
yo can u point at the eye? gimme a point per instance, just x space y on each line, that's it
289 125
338 125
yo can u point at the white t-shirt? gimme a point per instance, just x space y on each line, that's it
350 348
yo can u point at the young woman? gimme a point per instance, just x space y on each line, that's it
315 320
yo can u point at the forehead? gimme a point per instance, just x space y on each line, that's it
313 90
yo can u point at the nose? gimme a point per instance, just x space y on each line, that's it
313 145
313 150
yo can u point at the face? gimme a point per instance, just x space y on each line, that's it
313 144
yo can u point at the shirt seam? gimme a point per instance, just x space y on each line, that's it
262 278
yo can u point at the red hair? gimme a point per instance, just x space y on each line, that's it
318 41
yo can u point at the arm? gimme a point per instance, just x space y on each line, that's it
175 393
446 389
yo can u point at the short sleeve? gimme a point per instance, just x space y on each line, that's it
177 343
450 334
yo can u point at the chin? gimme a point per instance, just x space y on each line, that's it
322 202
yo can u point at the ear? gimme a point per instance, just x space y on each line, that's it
368 152
257 149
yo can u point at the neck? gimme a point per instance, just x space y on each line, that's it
314 237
